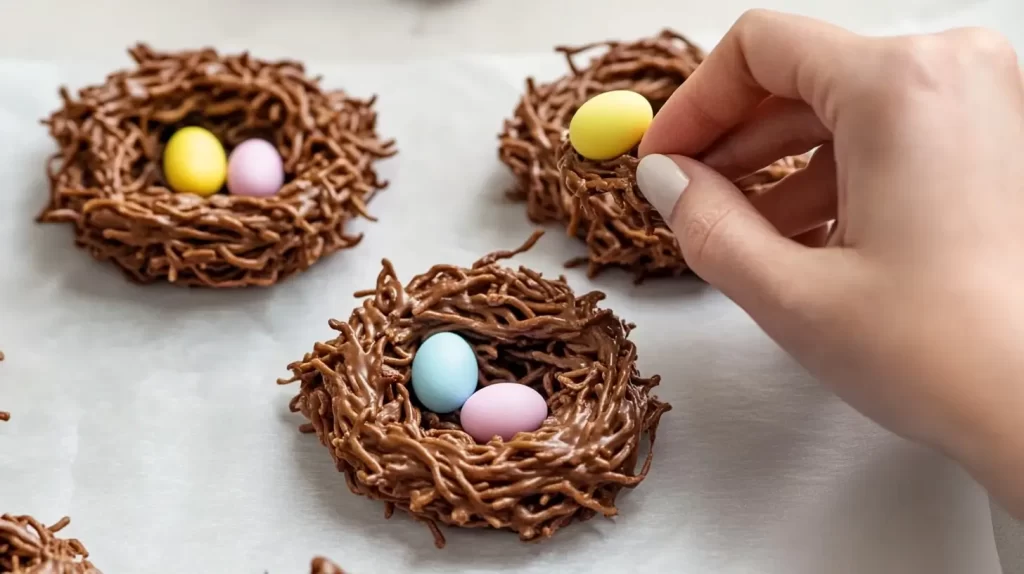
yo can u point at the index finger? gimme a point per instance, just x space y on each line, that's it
764 53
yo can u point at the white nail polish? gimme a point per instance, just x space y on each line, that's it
662 182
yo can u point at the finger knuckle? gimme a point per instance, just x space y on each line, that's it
981 45
751 21
791 299
935 59
922 65
917 59
704 234
753 17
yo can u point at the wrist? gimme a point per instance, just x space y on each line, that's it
975 379
991 449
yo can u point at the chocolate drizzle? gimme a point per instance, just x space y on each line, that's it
619 230
29 547
525 328
107 181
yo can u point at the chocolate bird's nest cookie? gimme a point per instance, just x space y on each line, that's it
355 392
598 201
107 178
29 547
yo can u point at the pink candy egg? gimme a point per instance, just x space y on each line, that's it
255 169
503 409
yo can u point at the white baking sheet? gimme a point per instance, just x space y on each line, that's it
150 415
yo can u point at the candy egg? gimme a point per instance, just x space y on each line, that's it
503 409
194 162
444 372
255 168
610 124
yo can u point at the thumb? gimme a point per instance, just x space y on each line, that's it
724 239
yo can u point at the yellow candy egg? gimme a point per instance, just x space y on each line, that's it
195 162
610 124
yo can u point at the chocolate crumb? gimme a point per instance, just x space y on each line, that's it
597 201
29 547
107 178
322 565
524 328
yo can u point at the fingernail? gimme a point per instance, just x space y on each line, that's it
661 181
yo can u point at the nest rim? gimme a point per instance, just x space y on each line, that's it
327 140
555 452
607 190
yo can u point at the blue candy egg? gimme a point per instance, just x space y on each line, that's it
444 372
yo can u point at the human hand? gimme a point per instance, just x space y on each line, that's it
913 312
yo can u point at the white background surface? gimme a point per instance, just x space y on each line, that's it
150 414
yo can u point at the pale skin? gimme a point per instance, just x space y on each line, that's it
912 310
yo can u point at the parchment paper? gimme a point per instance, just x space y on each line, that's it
150 415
